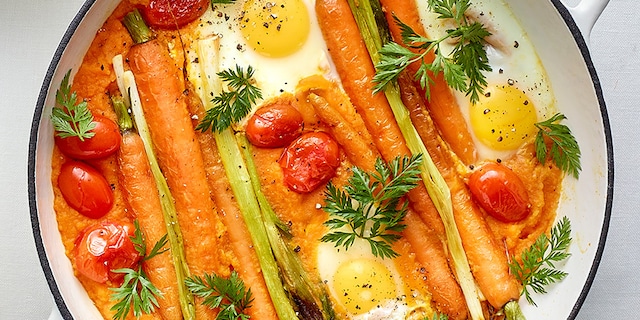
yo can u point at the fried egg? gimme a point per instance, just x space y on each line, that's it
365 286
280 40
518 93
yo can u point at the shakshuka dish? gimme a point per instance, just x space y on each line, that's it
300 159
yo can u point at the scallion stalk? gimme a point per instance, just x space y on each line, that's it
127 84
240 181
138 29
315 301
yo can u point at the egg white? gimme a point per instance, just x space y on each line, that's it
330 258
274 76
511 55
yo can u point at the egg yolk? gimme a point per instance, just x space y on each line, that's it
363 284
503 118
275 28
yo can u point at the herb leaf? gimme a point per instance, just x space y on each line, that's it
538 269
565 151
230 295
70 119
141 246
231 106
370 205
213 2
136 289
462 70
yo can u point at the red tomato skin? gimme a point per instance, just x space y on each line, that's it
500 192
105 142
85 189
274 126
173 14
310 161
104 247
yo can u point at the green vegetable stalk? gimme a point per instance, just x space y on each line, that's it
313 301
174 234
297 296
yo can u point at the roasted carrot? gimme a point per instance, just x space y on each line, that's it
445 290
356 71
487 258
247 264
233 151
442 105
161 87
440 280
332 106
141 194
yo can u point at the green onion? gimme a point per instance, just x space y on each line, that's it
240 180
174 234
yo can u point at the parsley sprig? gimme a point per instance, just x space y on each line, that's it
565 151
70 119
231 106
230 295
370 205
137 290
538 269
462 69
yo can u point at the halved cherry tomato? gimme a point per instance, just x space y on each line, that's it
105 142
104 247
500 192
275 125
310 161
85 189
172 14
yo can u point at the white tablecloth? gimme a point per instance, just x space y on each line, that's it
30 31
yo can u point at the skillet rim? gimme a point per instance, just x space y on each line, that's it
86 6
584 50
31 165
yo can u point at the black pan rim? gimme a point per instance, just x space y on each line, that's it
584 49
86 6
31 164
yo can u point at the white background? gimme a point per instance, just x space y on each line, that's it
30 31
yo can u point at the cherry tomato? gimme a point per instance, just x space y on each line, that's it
274 126
104 247
172 14
85 189
310 161
500 192
105 142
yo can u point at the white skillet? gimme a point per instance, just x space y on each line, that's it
557 32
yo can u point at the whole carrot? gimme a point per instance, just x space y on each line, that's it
336 112
160 86
446 293
141 195
442 106
247 266
487 258
349 55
